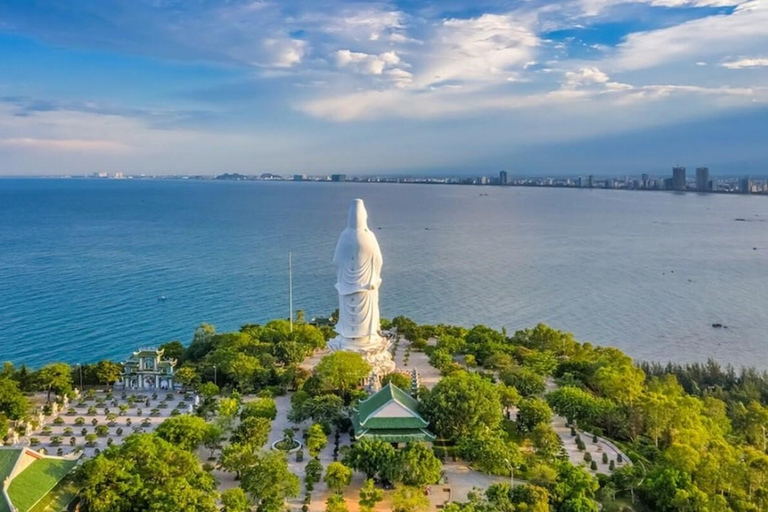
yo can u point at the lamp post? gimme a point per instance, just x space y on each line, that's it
215 376
80 370
511 474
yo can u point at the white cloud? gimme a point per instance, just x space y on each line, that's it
584 76
695 40
479 49
366 63
284 53
755 62
66 145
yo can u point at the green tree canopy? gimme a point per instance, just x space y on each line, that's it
56 377
145 473
185 431
269 481
337 477
369 456
13 403
370 496
462 403
235 500
254 431
108 372
341 372
417 465
259 408
531 412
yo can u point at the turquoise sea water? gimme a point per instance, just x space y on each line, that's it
83 262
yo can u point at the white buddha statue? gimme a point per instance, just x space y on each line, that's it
358 264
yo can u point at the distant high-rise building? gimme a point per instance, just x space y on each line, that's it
745 185
702 179
299 177
678 178
503 178
338 177
591 181
645 181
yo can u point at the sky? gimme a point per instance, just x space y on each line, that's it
383 87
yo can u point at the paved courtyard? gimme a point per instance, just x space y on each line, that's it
107 416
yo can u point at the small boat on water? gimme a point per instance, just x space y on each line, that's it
161 298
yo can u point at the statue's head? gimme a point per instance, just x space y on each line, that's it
358 217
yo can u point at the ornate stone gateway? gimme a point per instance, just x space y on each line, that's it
358 264
147 370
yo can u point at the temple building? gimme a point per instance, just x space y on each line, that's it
390 415
147 370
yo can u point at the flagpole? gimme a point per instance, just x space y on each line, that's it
290 289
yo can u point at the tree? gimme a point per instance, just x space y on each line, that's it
13 403
409 499
337 477
341 372
370 496
546 441
173 350
527 382
237 457
259 408
321 409
269 481
462 403
417 465
186 376
316 439
212 438
235 500
208 390
228 408
56 377
254 431
108 372
145 473
490 452
185 431
336 503
202 342
369 456
398 379
622 383
531 412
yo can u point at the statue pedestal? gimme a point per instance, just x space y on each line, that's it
375 353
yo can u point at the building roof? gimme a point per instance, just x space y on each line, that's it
391 415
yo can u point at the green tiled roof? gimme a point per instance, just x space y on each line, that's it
365 418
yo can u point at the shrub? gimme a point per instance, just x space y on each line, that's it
612 466
594 438
84 432
34 441
573 432
605 458
68 431
588 457
72 441
55 440
71 411
119 431
593 466
619 459
94 422
59 452
91 411
79 421
102 430
175 412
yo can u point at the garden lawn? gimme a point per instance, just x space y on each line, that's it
36 481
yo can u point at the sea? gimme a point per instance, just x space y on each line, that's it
93 269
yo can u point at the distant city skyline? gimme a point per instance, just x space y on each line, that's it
536 87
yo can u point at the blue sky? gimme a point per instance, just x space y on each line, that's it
321 86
